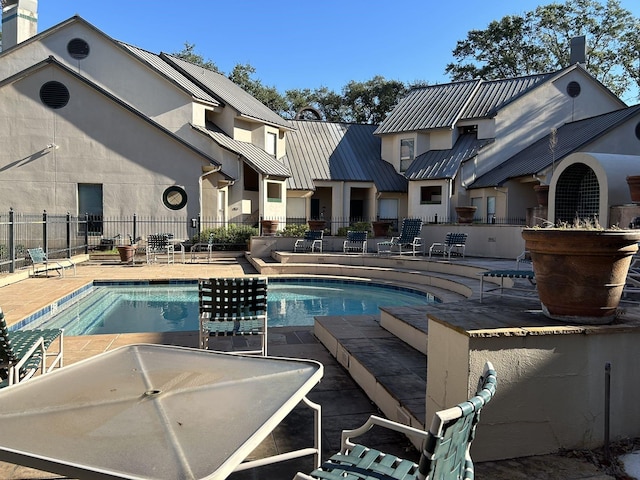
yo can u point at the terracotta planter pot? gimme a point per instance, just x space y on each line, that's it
269 227
380 229
542 194
317 224
633 181
580 274
127 253
466 213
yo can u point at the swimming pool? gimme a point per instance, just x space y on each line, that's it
169 307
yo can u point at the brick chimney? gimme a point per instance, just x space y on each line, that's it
19 21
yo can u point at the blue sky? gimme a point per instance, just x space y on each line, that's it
298 43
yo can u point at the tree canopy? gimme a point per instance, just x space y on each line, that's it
539 41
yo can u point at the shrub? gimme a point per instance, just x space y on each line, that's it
293 230
354 227
230 235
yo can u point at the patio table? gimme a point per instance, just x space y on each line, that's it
154 412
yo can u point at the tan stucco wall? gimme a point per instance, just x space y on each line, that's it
99 142
550 385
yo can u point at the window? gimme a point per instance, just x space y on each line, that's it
491 209
90 202
431 195
406 153
251 178
272 140
274 192
174 198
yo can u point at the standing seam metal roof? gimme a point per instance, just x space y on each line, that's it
436 164
167 70
338 152
230 93
570 137
442 106
259 160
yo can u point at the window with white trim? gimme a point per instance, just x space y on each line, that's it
272 143
274 192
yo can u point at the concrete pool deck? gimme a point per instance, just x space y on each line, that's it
344 404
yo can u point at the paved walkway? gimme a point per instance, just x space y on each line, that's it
343 402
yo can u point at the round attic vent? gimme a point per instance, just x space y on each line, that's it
54 94
174 198
573 89
78 48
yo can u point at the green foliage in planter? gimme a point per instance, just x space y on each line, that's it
355 227
293 230
231 235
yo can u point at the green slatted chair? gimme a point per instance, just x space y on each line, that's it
20 359
409 239
233 307
24 352
445 454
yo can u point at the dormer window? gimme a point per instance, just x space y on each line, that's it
466 129
406 153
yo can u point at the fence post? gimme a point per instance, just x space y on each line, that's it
135 228
12 241
86 232
68 235
45 243
199 225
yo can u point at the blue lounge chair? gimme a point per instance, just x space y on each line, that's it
409 239
355 242
41 264
453 243
311 242
445 454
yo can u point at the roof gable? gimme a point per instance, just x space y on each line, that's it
228 92
51 61
570 137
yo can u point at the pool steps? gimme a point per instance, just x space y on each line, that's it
385 354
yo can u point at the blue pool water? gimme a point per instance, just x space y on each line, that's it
174 307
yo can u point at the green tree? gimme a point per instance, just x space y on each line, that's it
539 41
242 75
188 54
371 101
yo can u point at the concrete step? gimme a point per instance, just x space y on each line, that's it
391 373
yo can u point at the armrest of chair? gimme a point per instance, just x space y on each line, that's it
15 369
347 435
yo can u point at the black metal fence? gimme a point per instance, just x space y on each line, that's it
63 236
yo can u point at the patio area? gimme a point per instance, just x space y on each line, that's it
344 403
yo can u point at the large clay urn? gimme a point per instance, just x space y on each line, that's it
269 227
466 213
542 194
633 181
580 273
127 253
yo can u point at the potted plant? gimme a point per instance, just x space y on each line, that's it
580 269
127 252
